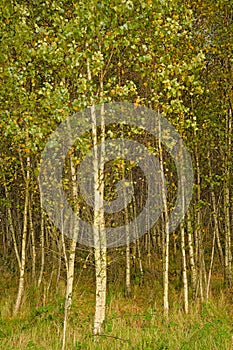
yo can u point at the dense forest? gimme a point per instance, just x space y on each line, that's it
78 77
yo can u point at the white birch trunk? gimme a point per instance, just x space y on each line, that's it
71 260
215 217
182 231
198 234
32 235
23 243
100 250
99 230
58 263
12 229
137 242
185 279
191 254
42 242
228 248
211 266
166 230
127 249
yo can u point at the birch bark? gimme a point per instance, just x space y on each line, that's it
24 239
100 250
228 253
166 237
71 259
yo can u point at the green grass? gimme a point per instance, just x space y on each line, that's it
136 323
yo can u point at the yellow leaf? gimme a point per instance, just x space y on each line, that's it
137 102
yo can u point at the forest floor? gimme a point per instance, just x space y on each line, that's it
135 323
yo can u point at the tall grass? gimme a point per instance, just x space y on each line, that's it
136 323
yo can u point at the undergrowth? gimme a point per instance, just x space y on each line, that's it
135 323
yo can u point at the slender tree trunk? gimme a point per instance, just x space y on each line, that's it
136 246
211 266
148 241
215 214
185 279
24 239
127 249
69 287
32 235
100 243
63 243
140 262
191 254
99 232
12 229
228 253
127 270
182 231
101 278
100 250
60 246
55 267
198 233
42 242
149 250
71 260
166 230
